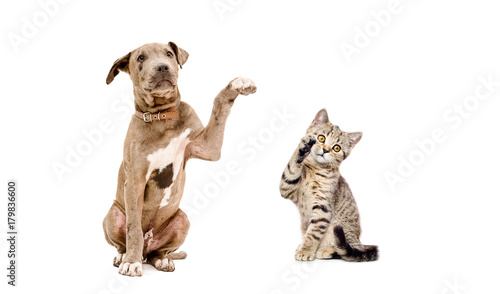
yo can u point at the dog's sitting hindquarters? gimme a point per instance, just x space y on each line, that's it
145 222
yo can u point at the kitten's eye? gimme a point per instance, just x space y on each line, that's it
321 138
336 148
169 53
140 58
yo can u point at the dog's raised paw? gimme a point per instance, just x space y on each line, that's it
243 86
130 269
165 264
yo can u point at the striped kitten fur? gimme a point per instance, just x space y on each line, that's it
329 214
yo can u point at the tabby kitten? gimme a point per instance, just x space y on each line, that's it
329 214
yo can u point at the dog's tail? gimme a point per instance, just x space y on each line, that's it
178 255
353 252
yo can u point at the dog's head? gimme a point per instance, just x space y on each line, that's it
153 69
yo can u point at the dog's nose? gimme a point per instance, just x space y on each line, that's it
162 67
325 150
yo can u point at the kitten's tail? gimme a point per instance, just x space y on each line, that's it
356 252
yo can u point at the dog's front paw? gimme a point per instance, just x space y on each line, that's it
133 269
243 86
303 255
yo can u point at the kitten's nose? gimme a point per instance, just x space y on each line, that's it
325 150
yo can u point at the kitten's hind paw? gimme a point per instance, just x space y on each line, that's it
303 255
326 253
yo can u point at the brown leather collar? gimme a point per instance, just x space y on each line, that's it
168 113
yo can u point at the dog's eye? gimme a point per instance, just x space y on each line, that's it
140 58
321 138
336 148
169 54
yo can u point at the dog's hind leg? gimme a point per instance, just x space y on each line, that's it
160 247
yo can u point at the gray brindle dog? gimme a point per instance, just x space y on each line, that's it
145 223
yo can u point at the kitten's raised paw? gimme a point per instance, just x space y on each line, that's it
325 253
302 255
306 144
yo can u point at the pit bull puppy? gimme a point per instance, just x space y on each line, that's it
145 222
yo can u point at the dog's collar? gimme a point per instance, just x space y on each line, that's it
168 113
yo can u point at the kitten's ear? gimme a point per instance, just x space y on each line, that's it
321 117
354 138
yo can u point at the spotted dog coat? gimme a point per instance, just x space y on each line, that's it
145 222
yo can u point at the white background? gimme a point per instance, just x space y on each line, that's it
437 230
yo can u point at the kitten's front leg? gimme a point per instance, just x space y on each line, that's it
293 172
319 223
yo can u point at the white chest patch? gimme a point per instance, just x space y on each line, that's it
172 154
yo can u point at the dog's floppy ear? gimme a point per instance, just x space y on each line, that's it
180 54
120 64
